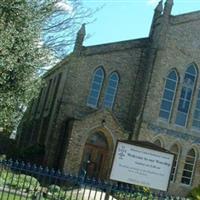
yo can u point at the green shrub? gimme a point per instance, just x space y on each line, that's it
28 183
143 193
2 157
19 181
135 196
55 192
1 182
195 193
54 188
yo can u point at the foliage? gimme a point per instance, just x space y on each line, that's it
20 56
195 193
12 196
54 188
19 181
143 193
2 157
31 33
1 182
135 196
55 192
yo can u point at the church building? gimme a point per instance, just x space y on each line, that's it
145 89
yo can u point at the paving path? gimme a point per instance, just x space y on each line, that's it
88 194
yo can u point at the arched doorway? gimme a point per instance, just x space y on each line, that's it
95 157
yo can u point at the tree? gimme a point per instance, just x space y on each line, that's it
60 27
32 33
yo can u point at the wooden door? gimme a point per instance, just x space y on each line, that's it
94 161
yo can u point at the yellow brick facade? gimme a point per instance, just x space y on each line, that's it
61 121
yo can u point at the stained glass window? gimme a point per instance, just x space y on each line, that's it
111 90
196 115
95 89
168 95
186 95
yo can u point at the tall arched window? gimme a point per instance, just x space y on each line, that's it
196 115
175 150
111 90
186 95
168 95
188 170
95 89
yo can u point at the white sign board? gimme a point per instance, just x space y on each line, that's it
142 166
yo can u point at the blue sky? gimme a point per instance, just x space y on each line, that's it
127 19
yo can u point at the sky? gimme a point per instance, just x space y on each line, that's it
119 20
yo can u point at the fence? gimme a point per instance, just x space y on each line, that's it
21 181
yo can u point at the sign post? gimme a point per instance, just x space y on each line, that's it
143 164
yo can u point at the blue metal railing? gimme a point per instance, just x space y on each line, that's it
23 181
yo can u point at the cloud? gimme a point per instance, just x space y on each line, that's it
152 2
65 6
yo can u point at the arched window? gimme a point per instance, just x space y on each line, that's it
111 90
168 95
196 116
175 150
98 139
95 89
157 143
186 95
189 168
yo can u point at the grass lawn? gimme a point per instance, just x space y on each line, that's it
12 197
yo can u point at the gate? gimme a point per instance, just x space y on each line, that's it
23 181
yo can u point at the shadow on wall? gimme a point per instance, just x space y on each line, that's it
32 154
7 145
